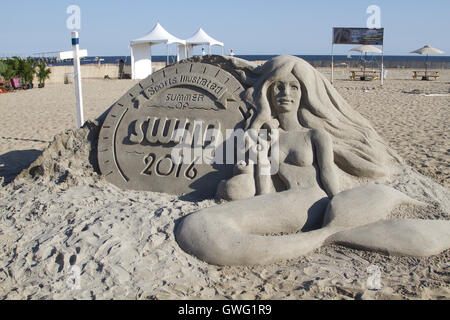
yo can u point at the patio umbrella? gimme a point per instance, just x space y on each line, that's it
364 49
427 50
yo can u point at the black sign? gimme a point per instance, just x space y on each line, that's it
358 36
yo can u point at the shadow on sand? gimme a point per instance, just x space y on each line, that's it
13 162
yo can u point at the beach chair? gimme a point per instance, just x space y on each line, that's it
5 86
15 83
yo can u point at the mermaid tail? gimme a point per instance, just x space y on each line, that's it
232 233
418 238
235 233
364 207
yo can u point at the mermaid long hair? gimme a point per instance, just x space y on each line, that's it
358 149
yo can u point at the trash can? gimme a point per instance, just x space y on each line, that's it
68 77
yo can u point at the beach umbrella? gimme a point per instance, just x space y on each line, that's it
427 50
364 49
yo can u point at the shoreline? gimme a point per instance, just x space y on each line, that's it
62 74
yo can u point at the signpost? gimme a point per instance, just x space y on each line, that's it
358 36
368 36
77 74
63 55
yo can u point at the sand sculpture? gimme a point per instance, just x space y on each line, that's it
139 133
314 177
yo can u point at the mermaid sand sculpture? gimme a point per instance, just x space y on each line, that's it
328 155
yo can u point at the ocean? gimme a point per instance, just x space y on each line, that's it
440 62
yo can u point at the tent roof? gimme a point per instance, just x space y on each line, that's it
157 35
201 37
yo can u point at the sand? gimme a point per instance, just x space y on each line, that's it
413 116
60 221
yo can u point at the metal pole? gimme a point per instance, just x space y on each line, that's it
151 59
77 74
382 65
365 60
332 64
132 62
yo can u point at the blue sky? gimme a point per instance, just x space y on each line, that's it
249 27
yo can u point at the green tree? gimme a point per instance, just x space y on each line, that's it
29 71
26 69
8 69
43 73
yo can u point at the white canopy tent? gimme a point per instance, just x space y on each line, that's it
200 38
141 54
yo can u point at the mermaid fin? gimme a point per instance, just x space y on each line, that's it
420 238
363 205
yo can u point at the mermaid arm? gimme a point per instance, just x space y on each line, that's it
263 177
263 181
323 148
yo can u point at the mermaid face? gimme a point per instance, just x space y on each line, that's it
286 93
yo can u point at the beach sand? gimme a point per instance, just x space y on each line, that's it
60 221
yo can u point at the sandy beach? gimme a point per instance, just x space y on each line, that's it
68 218
416 125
